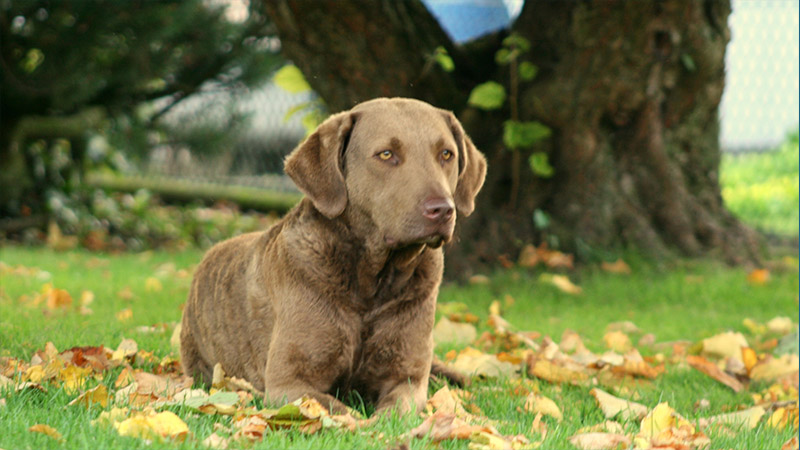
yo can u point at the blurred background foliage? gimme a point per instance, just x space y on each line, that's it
102 98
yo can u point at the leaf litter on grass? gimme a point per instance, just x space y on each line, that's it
149 398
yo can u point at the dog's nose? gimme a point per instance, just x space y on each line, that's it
438 209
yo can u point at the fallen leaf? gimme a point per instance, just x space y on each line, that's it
749 358
772 367
56 239
784 416
454 333
73 377
97 395
553 373
758 276
617 341
597 441
126 348
663 427
441 425
46 430
619 267
474 362
165 425
626 326
711 369
747 418
537 403
478 279
723 345
791 444
563 283
216 441
153 284
780 325
58 298
612 406
124 315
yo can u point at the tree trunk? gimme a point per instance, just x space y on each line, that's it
631 91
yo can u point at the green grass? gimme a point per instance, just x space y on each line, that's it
763 189
687 300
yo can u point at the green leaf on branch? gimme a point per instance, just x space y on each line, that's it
505 56
290 79
523 134
527 71
540 165
517 42
488 96
443 59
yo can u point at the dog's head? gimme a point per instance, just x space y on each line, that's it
396 169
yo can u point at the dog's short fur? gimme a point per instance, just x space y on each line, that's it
340 294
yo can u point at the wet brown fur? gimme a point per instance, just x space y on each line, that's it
340 294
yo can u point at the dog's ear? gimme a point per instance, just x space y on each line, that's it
316 164
471 167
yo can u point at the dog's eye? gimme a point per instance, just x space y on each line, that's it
385 155
446 155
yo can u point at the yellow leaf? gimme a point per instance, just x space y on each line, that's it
619 267
126 348
46 430
753 326
749 358
98 395
723 345
153 284
73 377
87 297
617 341
536 403
657 420
149 426
611 406
125 315
548 371
112 417
563 283
58 298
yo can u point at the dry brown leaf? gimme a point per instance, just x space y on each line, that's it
711 369
46 430
634 364
537 403
454 333
612 406
619 267
663 427
442 425
791 444
784 416
598 441
617 341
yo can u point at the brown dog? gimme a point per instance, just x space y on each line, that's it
340 294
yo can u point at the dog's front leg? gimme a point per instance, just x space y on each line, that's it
307 360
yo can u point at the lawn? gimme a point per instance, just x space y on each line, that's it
139 297
672 313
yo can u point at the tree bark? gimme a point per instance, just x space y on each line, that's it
631 91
